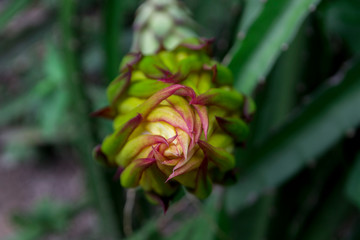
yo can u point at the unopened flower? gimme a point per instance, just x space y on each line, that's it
160 25
176 120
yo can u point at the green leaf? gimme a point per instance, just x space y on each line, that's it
251 12
315 129
353 184
251 223
254 56
355 235
329 216
342 17
280 92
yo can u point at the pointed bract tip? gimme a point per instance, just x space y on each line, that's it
117 174
100 156
106 112
163 201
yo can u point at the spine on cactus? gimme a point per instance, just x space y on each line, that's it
175 114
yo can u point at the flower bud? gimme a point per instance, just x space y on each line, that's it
161 25
176 121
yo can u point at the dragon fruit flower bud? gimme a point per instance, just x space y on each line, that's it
176 121
161 24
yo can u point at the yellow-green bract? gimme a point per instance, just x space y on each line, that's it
176 121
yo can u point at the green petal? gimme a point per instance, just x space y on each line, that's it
190 64
153 180
137 75
205 82
224 75
203 185
129 104
163 94
221 158
146 88
146 107
130 60
221 140
191 81
169 60
113 143
190 165
188 179
131 175
117 88
203 188
226 98
235 127
151 66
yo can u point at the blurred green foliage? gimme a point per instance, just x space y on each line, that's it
46 217
299 173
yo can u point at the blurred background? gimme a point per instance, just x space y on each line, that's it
299 174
